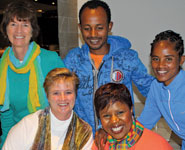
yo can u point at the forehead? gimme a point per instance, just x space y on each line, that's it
98 13
16 18
164 46
62 82
115 106
165 43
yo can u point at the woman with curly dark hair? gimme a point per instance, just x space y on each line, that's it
166 97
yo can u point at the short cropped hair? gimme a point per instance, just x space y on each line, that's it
111 93
93 4
172 37
60 74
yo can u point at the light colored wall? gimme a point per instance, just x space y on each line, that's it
67 27
141 20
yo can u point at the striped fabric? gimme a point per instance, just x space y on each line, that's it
129 140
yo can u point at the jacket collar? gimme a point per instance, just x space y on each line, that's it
175 83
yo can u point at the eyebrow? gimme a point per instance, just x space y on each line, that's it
164 56
90 25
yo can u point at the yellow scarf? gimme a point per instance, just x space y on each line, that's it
30 65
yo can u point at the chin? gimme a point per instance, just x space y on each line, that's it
161 80
118 136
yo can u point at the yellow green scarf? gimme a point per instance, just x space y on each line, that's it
36 96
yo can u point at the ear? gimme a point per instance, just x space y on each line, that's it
110 26
132 110
182 60
80 27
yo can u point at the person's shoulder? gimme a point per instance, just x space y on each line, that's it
46 53
182 74
151 141
84 123
26 123
183 71
74 57
83 126
154 139
27 127
155 81
119 41
151 133
156 85
126 52
50 60
126 55
74 52
121 45
29 118
131 52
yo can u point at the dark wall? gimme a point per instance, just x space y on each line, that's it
48 29
3 41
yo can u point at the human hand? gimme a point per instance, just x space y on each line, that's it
100 139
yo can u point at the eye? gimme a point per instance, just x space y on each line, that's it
169 59
87 28
12 24
25 25
106 116
56 93
120 112
155 59
68 92
99 28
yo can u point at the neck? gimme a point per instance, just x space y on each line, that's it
101 51
19 52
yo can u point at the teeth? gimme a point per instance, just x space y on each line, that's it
19 37
94 41
62 104
117 128
162 72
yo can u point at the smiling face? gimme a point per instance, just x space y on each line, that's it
165 62
19 33
95 28
61 96
116 119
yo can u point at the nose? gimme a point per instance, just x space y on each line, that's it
93 32
62 96
19 28
161 63
114 119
